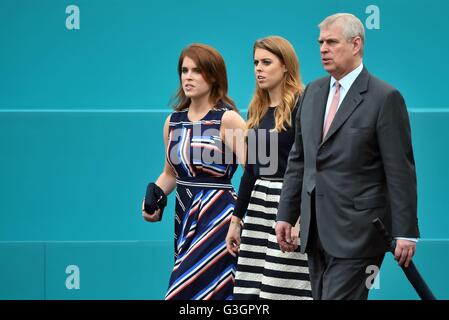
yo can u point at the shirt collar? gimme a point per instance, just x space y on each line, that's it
347 81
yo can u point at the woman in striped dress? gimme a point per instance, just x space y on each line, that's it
200 165
263 271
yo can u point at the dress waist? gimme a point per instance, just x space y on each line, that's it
277 179
206 182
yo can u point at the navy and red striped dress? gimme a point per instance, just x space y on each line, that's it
205 200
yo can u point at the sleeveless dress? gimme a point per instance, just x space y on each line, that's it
205 200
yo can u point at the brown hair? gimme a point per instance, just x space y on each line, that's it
213 69
292 86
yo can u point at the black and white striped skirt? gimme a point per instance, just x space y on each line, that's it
263 270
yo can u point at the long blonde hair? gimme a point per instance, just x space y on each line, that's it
291 90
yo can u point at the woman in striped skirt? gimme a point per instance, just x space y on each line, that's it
263 271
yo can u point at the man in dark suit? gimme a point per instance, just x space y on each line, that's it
352 161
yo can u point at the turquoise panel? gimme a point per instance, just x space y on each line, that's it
22 270
79 176
431 158
125 53
108 270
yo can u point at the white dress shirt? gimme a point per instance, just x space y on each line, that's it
345 84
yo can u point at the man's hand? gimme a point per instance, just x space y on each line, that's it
404 251
295 235
283 235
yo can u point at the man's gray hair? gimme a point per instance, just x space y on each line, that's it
350 25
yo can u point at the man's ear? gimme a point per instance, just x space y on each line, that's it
357 42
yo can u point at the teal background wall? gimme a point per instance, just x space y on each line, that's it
81 116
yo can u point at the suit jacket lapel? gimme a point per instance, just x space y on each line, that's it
351 101
319 108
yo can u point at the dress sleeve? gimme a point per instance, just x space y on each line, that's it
247 183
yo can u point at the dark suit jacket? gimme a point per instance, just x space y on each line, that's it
363 169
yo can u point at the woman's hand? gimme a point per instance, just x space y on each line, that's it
233 236
154 217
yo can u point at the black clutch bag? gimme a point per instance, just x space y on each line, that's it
155 199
